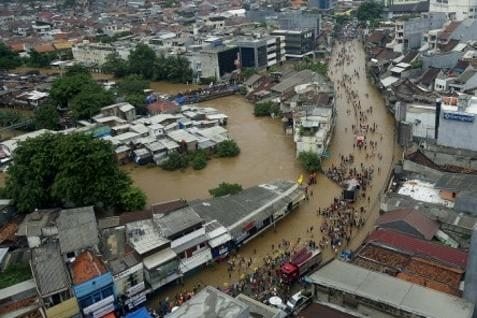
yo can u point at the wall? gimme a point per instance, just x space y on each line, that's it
447 60
457 134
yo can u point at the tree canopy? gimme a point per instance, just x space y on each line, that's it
78 92
310 161
369 10
46 116
55 170
144 62
8 59
227 148
225 189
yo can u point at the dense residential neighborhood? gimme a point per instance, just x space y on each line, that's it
163 158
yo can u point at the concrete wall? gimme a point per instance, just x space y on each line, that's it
457 134
448 60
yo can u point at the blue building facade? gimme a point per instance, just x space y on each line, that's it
96 296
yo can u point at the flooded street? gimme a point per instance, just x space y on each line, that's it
268 154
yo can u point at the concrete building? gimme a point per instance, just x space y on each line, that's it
325 5
457 126
298 44
95 54
92 284
53 281
261 53
214 61
458 9
211 302
252 210
409 33
375 294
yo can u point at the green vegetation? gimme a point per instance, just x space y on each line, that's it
266 109
8 59
371 11
417 63
68 170
104 38
310 64
11 117
78 92
46 116
132 87
227 148
225 189
175 161
199 160
133 199
143 62
247 72
14 274
310 161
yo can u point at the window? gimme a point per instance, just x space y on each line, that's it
70 254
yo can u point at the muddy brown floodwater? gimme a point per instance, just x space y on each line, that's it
268 154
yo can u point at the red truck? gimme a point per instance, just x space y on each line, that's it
300 263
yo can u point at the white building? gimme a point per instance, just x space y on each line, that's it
458 8
95 54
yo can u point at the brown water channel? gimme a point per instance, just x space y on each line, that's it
268 154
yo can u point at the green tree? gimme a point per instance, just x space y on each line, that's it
175 161
133 84
8 59
227 148
133 199
369 10
141 61
89 102
46 116
65 170
9 117
310 161
266 109
199 160
225 189
37 59
138 101
115 65
172 68
65 88
247 72
310 64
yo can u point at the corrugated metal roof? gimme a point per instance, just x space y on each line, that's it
444 254
425 226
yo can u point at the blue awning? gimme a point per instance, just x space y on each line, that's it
139 313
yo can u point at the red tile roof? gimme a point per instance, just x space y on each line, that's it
417 247
85 267
421 223
7 232
162 106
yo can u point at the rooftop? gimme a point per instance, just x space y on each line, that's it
144 236
49 269
77 229
391 291
426 227
416 247
423 191
244 203
456 182
211 303
177 221
85 267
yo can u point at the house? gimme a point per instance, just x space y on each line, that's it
365 292
409 221
38 225
53 281
465 82
123 110
161 265
92 284
162 106
427 80
77 231
187 141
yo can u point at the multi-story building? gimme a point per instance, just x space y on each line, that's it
92 284
263 52
459 9
298 44
215 60
324 5
53 281
95 54
410 33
